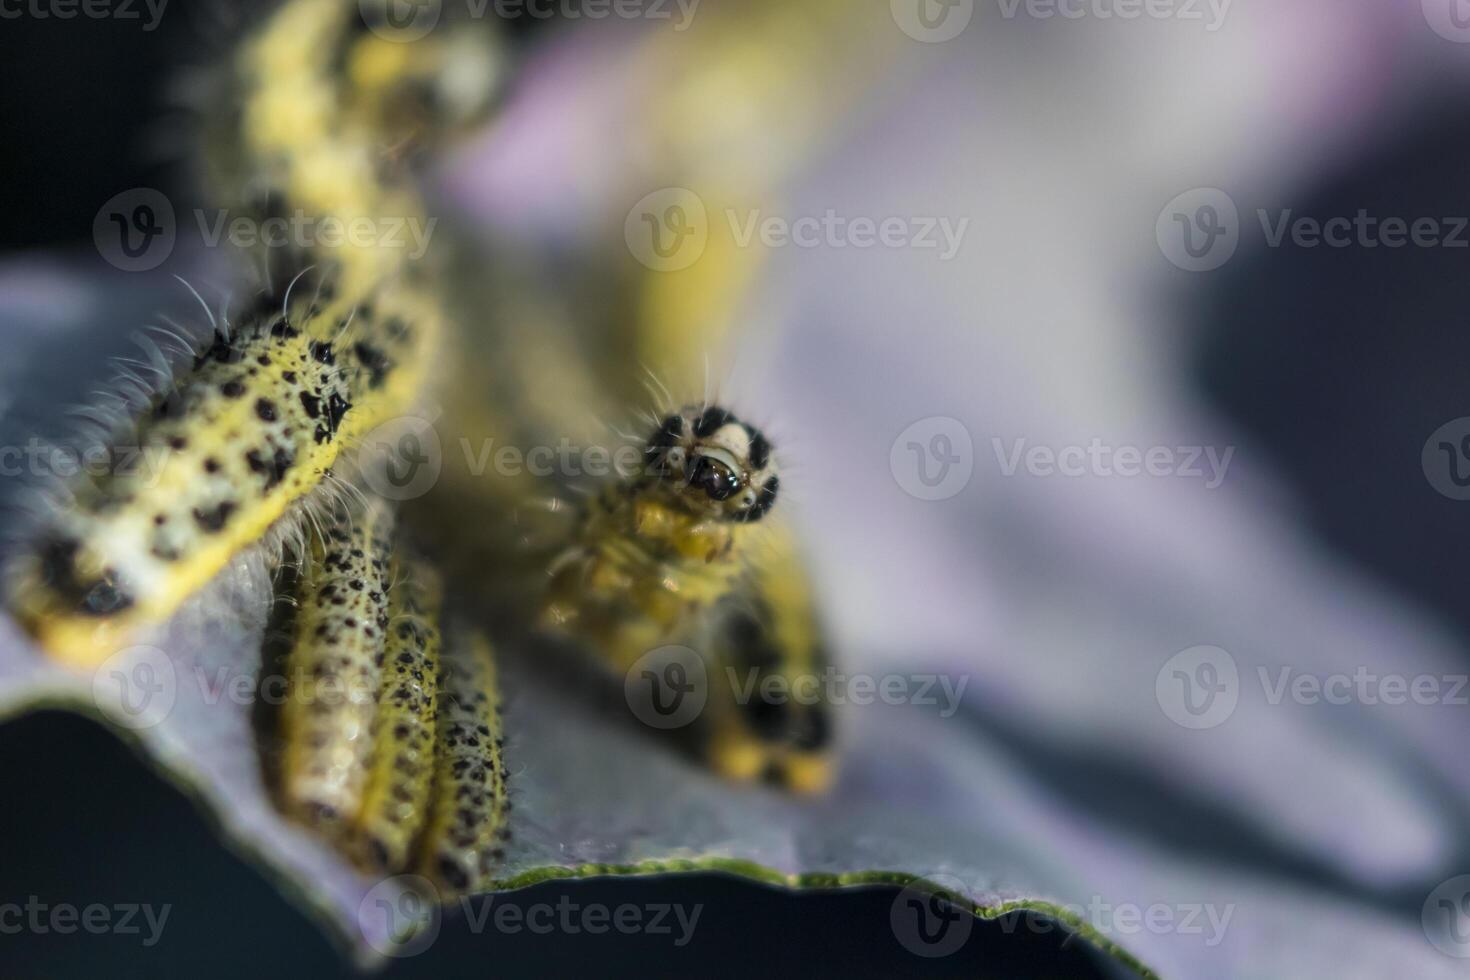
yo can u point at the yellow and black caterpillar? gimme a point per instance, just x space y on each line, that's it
324 111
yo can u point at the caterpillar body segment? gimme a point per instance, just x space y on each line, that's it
766 717
254 428
347 334
652 551
466 831
392 743
405 728
335 670
737 107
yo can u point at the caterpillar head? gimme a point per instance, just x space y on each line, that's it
713 464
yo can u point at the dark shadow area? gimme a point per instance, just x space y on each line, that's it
1341 362
89 824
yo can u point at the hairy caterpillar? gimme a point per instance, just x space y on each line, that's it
256 435
322 111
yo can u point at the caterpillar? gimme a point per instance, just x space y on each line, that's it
324 111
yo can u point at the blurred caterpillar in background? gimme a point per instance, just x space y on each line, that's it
325 110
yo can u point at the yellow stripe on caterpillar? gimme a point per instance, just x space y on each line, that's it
396 799
769 631
255 426
334 672
466 830
269 407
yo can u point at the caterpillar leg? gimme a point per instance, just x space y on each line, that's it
768 717
391 742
